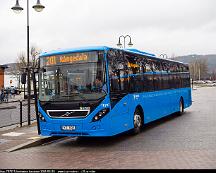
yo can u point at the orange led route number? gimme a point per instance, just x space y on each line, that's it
53 60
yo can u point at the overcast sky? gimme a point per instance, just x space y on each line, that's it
174 27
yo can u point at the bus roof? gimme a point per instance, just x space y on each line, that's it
153 56
73 50
103 48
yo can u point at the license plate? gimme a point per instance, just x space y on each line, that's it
68 127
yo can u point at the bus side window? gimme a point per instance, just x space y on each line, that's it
157 75
164 76
113 80
118 72
186 80
148 67
135 71
148 76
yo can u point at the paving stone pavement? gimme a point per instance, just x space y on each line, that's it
175 142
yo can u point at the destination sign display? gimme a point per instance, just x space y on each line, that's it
69 58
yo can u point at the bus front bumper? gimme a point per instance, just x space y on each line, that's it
51 129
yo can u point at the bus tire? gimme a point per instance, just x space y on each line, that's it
181 106
138 121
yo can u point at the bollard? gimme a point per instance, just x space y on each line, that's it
20 113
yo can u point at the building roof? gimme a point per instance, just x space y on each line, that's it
3 66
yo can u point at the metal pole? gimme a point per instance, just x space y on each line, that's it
124 37
28 66
20 113
24 91
124 41
36 100
120 39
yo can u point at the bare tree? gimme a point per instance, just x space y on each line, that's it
21 62
34 54
203 68
198 69
213 75
173 56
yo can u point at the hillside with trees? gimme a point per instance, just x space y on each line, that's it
201 66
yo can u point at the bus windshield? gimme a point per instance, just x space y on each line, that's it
72 77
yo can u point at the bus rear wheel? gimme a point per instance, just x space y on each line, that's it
137 121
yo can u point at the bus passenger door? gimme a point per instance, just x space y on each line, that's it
119 90
120 110
118 79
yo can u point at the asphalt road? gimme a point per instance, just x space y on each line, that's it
182 142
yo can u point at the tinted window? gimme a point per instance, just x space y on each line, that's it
118 71
140 73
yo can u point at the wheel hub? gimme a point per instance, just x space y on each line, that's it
137 120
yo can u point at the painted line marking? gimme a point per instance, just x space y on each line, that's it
35 143
34 137
13 134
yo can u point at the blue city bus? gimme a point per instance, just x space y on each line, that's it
104 91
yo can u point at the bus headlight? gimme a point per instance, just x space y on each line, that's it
41 117
100 114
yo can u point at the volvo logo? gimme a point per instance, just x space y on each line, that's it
67 114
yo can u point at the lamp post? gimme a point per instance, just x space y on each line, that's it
17 9
163 56
124 37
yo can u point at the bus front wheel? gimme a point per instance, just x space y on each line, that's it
137 121
181 107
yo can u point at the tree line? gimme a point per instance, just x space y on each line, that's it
21 62
199 70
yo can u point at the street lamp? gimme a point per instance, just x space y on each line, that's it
163 56
38 7
17 9
124 37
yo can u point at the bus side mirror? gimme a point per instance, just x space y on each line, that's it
23 78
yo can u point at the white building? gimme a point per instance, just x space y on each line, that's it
10 80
